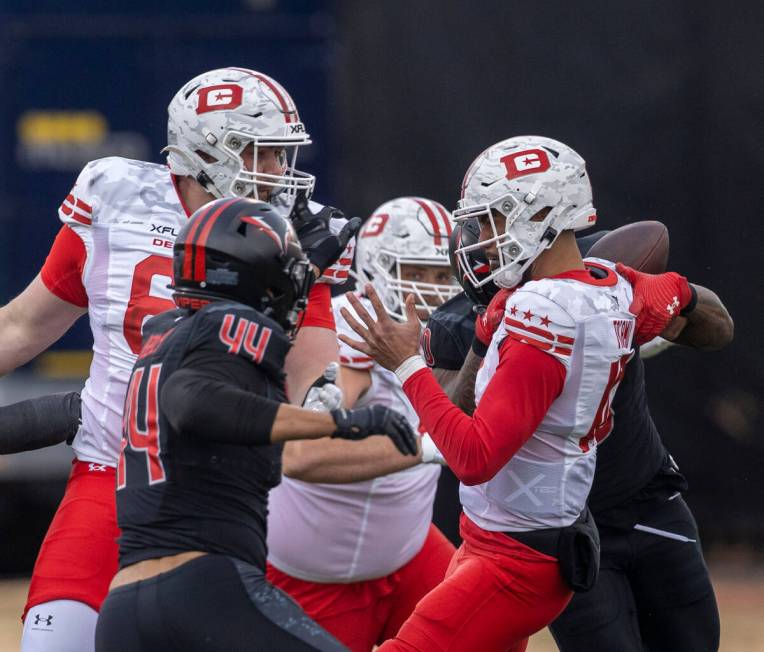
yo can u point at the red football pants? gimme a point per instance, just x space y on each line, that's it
363 614
497 592
79 555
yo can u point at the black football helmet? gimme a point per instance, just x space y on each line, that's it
464 233
242 250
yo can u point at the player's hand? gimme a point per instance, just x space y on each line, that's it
487 322
324 395
376 420
322 247
658 299
387 341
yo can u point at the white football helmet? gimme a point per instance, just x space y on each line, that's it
216 115
406 230
519 178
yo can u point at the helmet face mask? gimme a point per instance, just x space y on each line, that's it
216 116
471 263
407 231
528 190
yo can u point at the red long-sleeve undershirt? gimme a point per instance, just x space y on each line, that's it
525 384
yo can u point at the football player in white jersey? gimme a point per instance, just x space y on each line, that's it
358 556
526 457
232 132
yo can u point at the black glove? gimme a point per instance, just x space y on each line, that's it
375 420
320 245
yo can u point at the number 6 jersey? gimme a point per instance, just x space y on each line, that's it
125 215
114 256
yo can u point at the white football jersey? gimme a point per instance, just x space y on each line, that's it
128 214
588 328
361 530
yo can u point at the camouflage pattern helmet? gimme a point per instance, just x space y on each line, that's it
540 186
217 115
405 231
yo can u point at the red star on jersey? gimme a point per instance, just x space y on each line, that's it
527 314
513 310
545 320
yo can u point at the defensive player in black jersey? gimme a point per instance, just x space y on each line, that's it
205 416
653 591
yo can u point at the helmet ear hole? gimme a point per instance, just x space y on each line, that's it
207 158
540 216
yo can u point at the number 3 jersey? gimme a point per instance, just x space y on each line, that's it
580 318
126 215
189 487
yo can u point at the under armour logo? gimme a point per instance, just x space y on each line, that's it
672 306
45 620
96 467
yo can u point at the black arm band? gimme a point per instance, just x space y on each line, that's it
478 348
198 405
693 301
39 422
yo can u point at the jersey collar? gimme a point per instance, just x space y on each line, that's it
585 276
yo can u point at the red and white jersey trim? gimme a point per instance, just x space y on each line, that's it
77 209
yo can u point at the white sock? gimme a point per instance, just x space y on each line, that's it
59 626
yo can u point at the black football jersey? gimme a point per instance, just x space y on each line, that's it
630 461
176 492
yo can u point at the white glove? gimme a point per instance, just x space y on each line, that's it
654 347
324 395
430 452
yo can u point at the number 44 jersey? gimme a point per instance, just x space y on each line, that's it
580 318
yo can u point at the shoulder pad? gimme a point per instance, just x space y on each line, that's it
533 318
240 330
449 333
80 207
77 208
349 357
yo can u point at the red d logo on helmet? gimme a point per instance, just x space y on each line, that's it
217 98
529 161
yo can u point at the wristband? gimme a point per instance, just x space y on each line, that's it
478 348
409 367
692 303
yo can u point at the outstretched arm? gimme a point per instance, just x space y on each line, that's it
39 422
199 402
31 323
333 461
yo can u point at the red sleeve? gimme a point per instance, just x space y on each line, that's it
319 311
518 396
62 270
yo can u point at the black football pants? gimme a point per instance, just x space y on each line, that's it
212 603
653 592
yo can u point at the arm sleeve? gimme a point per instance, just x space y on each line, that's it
525 384
39 422
319 311
208 399
62 271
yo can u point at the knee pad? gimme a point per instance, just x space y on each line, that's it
59 626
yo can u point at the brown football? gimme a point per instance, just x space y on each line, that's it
641 245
